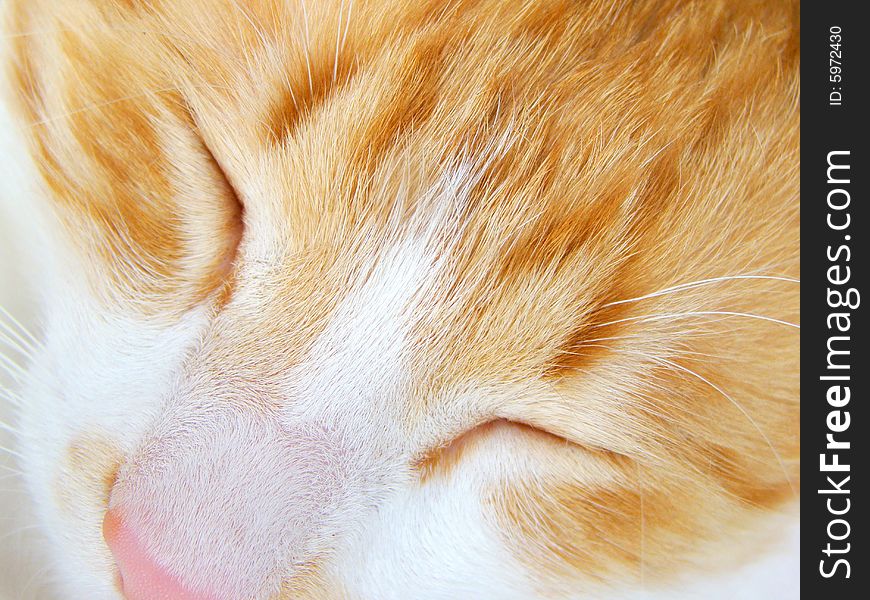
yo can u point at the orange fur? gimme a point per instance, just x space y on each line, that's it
614 150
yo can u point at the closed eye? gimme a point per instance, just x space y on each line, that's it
442 459
233 206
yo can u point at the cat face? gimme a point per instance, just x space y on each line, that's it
392 300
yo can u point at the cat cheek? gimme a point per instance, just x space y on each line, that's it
86 472
86 475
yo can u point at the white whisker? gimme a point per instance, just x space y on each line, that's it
11 398
307 46
698 313
11 452
40 573
12 472
738 407
346 25
700 283
98 105
8 428
257 28
15 346
337 42
20 331
18 531
12 369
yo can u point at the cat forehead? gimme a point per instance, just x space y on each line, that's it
521 206
365 155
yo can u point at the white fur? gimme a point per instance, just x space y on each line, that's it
433 542
356 366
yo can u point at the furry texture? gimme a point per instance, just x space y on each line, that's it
521 275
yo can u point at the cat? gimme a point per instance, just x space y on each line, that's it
394 299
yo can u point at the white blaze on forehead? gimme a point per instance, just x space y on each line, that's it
358 363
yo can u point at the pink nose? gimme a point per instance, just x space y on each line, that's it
141 577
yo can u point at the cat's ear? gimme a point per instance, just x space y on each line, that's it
120 153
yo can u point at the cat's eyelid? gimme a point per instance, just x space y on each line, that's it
236 206
487 427
202 136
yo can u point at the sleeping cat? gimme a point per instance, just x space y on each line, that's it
409 299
